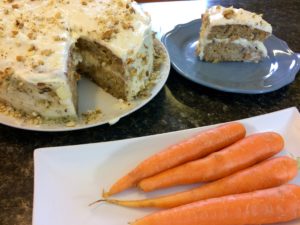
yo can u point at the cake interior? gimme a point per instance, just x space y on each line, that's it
216 52
102 66
237 31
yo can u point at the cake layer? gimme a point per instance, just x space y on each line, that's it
238 50
237 31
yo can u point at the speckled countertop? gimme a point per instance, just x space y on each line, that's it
181 104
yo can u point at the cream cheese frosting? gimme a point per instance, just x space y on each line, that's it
221 16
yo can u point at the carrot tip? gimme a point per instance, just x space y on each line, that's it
106 194
95 202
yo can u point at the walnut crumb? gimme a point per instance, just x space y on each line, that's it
58 38
58 15
83 2
8 71
71 124
20 58
92 116
31 36
107 35
14 33
47 52
19 24
129 61
32 48
127 26
228 13
15 6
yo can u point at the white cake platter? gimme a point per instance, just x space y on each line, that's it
67 179
92 98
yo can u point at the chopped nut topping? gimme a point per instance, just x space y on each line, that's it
71 124
228 13
19 24
129 61
6 11
15 6
41 62
38 63
83 2
77 76
14 33
20 58
32 36
47 52
107 35
58 38
133 72
127 26
32 48
58 15
8 71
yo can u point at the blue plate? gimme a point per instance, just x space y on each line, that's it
274 72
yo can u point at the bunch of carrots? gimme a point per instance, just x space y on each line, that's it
244 184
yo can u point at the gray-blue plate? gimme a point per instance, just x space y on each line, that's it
274 72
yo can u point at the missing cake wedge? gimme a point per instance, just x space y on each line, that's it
230 34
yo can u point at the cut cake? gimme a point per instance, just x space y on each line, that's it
44 43
230 34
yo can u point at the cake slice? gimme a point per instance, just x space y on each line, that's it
230 34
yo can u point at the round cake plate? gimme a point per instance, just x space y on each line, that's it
274 72
92 97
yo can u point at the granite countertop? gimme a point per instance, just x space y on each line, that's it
181 104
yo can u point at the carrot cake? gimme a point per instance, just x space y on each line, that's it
230 34
45 45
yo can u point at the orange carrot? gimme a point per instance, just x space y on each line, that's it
270 173
193 148
238 156
279 204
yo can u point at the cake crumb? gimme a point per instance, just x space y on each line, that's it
228 13
71 124
91 116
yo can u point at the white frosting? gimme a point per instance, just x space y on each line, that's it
241 16
252 44
41 32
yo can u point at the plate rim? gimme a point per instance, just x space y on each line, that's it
62 128
288 80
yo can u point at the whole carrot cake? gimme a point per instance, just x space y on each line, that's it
45 45
230 34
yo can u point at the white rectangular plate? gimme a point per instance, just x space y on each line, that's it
68 178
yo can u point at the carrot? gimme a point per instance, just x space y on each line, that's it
193 148
270 173
279 204
238 156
